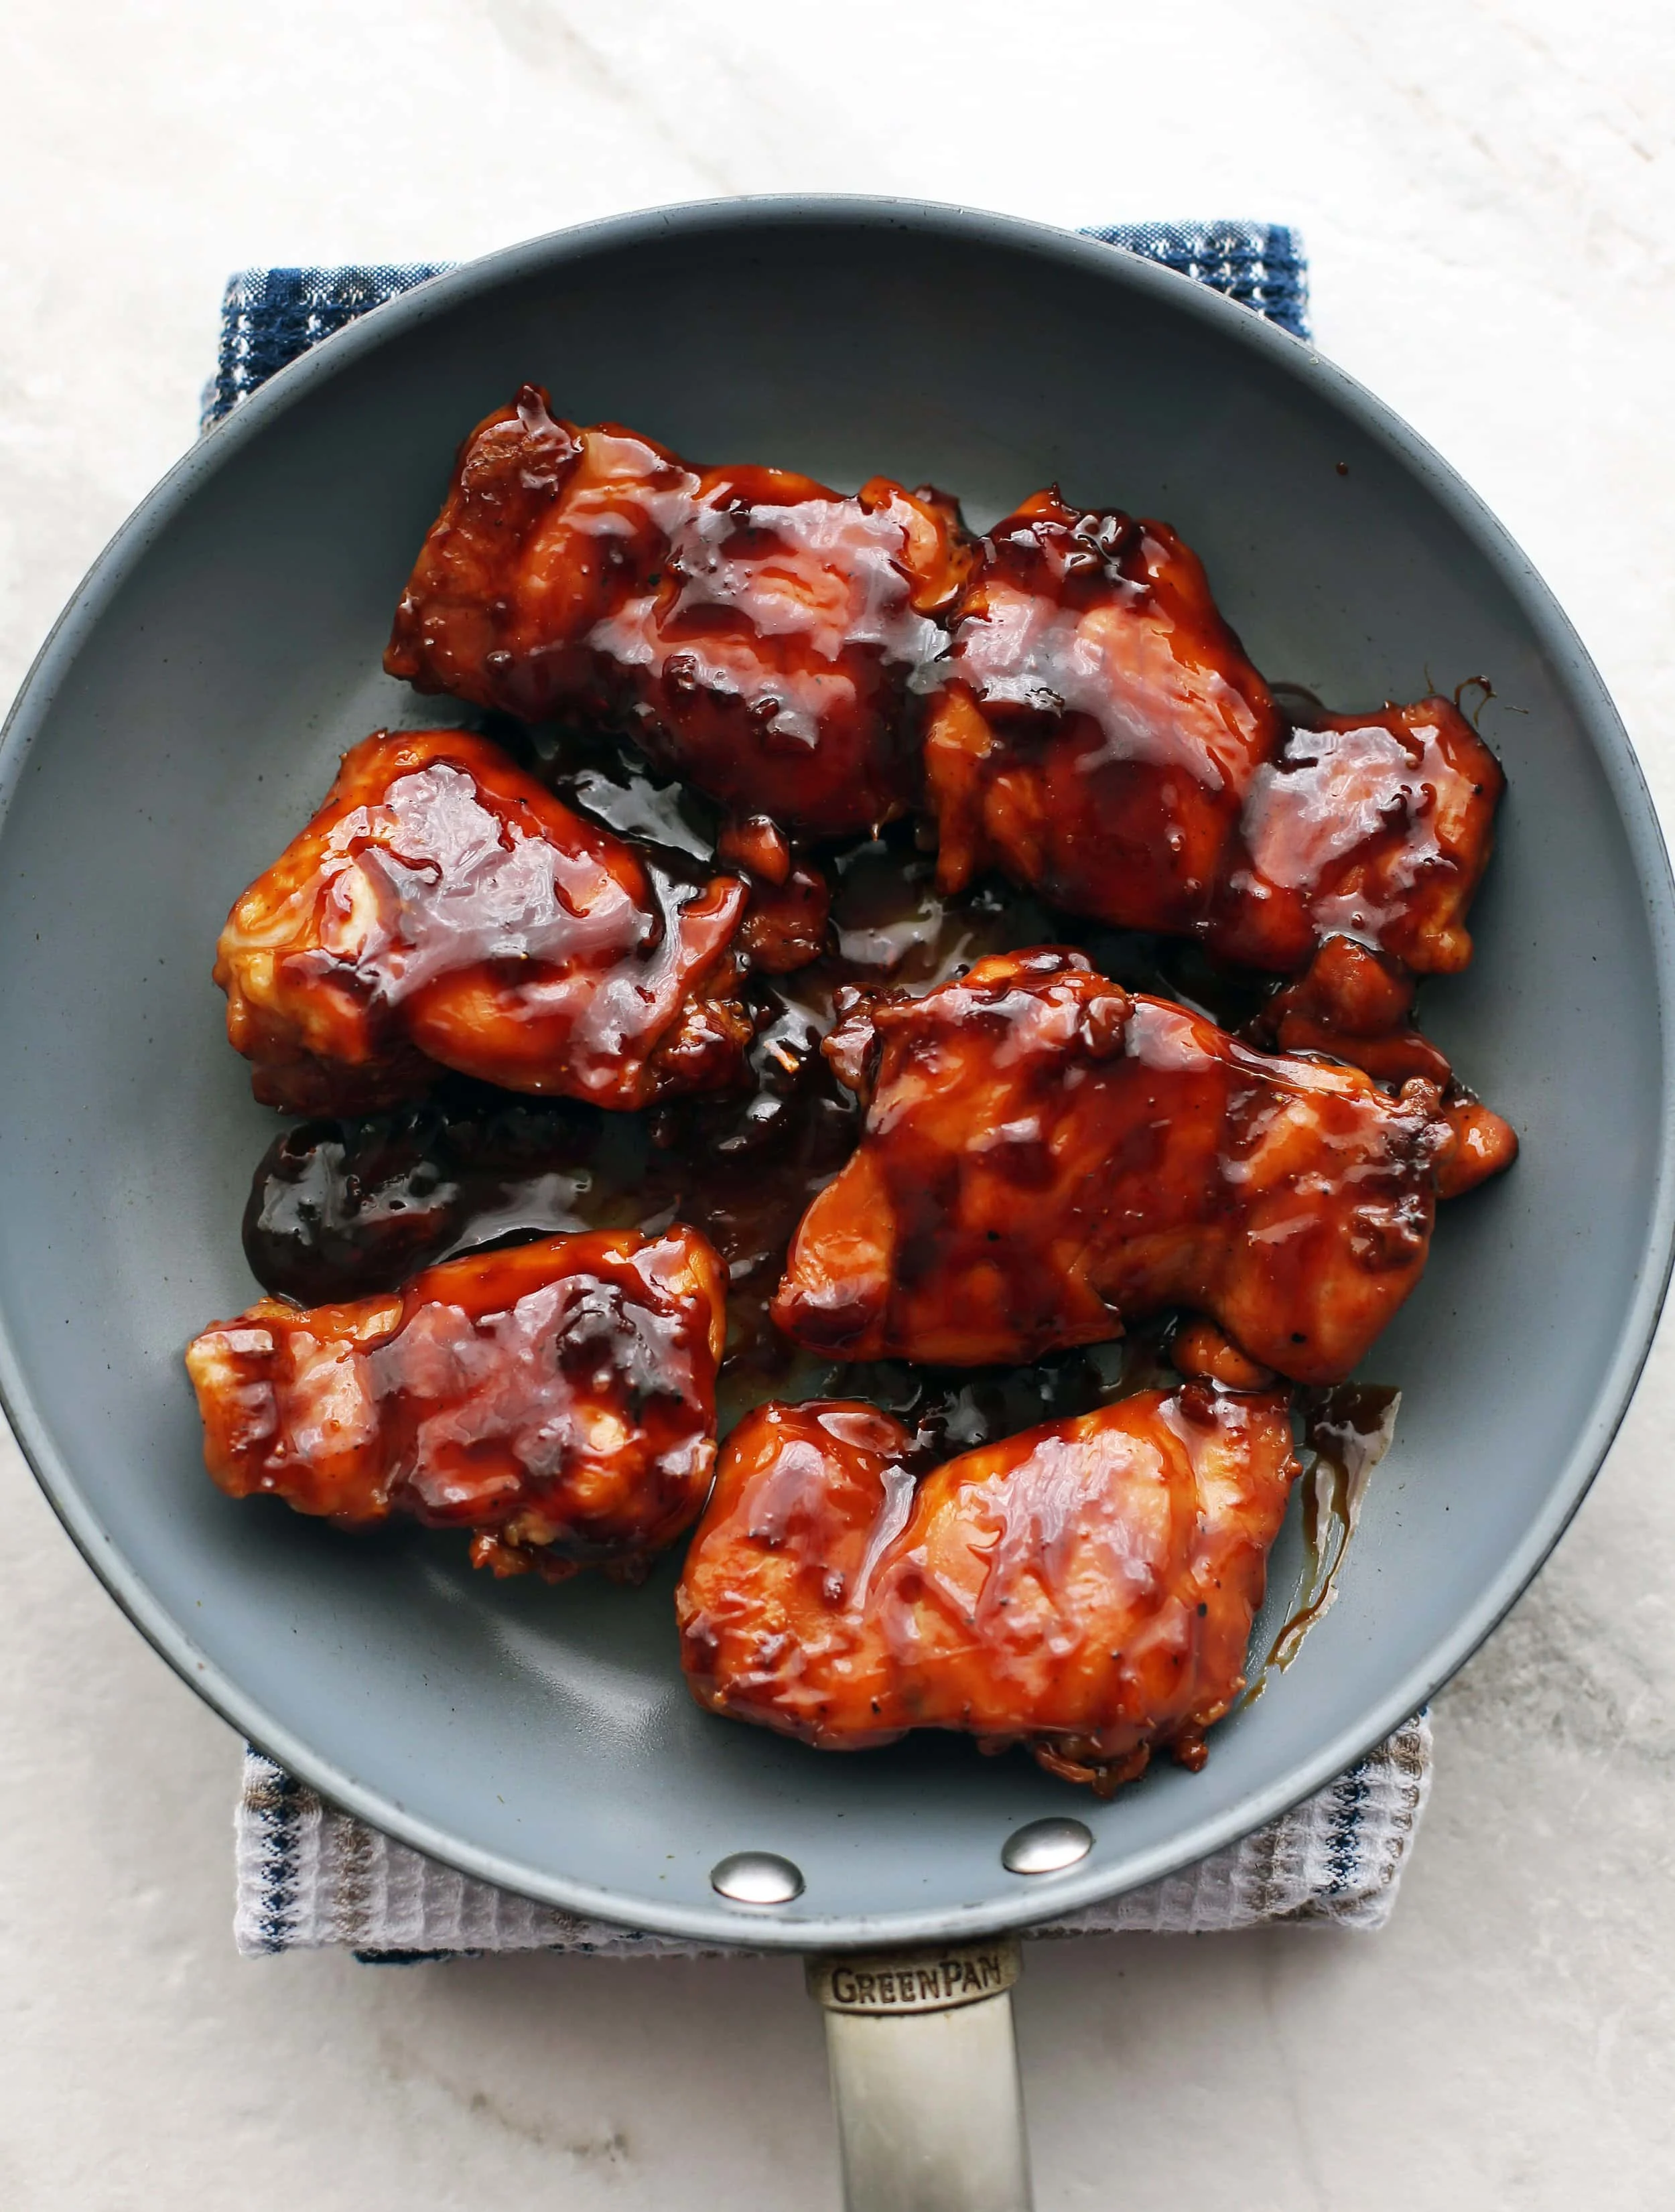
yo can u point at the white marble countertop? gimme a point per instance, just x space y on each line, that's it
1486 190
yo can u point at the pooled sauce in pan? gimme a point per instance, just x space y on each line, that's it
1347 1430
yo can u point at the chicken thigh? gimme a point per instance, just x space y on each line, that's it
1086 1588
1099 726
750 629
442 910
1044 1154
557 1399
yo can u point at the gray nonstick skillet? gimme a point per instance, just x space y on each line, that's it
186 714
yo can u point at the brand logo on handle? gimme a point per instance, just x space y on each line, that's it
915 1981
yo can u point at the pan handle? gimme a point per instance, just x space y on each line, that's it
924 2078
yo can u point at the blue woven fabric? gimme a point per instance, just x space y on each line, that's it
1260 265
270 316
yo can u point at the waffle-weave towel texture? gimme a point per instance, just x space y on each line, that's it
309 1875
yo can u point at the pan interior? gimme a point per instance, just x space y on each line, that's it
188 715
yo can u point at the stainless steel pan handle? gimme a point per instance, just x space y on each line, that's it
924 2078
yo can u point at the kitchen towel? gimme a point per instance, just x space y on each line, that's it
309 1875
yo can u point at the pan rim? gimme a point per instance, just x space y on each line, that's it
1326 385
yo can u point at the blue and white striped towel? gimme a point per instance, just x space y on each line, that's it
309 1875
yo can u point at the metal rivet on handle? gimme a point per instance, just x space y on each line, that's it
757 1878
1046 1847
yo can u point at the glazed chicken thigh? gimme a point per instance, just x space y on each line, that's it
557 1398
751 629
444 910
1086 1588
1099 726
1044 1154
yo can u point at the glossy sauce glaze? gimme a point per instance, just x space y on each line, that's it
1356 1005
748 626
557 1399
445 910
1044 1154
1086 1588
1373 827
1100 725
339 1207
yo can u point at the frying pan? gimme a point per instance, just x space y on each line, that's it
186 714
